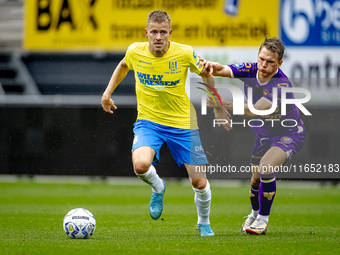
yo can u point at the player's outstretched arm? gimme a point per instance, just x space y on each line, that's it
215 68
118 75
261 104
219 111
225 104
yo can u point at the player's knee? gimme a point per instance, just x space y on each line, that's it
141 167
266 167
198 183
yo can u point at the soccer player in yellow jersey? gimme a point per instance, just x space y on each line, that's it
165 113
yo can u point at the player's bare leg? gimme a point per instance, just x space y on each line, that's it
274 157
142 163
201 187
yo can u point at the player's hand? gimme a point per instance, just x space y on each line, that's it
208 66
223 115
108 104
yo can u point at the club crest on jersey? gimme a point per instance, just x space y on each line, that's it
172 65
286 140
238 66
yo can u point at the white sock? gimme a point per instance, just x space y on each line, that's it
202 201
151 177
254 213
265 218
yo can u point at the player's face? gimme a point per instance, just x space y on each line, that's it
267 63
158 35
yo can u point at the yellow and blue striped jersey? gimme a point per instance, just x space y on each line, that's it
160 84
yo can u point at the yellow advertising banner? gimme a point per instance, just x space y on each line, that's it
111 25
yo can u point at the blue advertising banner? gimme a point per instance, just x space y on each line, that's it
310 22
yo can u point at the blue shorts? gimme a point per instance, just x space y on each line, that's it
289 143
184 144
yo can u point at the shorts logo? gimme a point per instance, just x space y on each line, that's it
198 148
289 154
173 65
286 140
238 66
135 140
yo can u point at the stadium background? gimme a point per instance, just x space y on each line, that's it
56 58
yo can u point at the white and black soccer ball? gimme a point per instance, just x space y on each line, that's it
79 223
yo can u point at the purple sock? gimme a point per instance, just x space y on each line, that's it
267 192
254 198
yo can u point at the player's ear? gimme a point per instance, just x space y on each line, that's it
170 32
280 62
146 32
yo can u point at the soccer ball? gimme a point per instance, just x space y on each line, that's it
79 223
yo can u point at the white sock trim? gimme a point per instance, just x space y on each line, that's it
151 177
254 213
265 218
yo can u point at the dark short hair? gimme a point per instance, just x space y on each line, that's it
158 17
275 45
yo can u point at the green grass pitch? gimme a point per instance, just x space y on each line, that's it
303 220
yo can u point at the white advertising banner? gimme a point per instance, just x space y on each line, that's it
314 68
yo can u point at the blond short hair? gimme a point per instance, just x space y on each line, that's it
158 17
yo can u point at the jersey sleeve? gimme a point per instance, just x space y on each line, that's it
194 62
128 56
242 70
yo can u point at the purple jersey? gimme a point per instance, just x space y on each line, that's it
247 72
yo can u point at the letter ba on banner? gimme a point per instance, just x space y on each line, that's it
62 24
111 25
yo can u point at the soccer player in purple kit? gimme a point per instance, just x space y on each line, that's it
275 143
